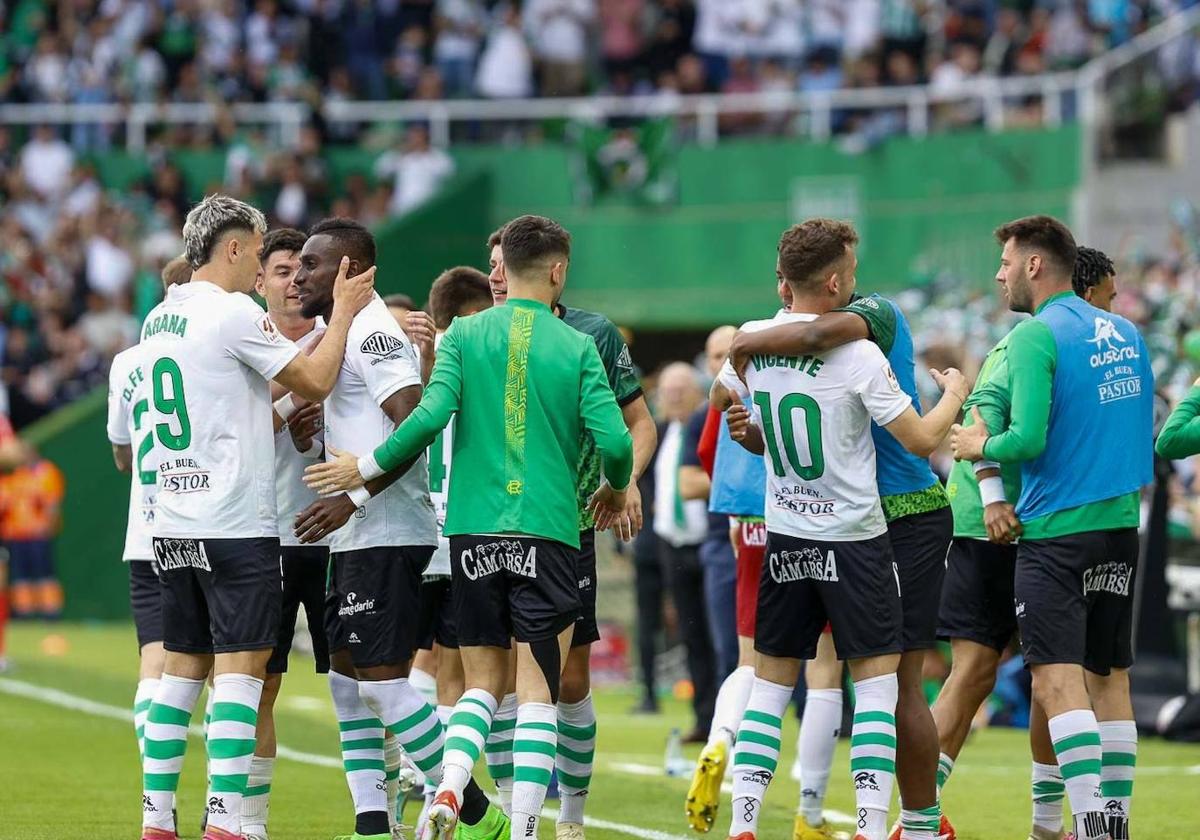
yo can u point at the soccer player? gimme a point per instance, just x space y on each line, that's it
304 567
739 481
576 713
827 546
919 522
976 612
209 352
525 387
381 537
128 407
1075 373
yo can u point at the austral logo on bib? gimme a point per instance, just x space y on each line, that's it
1111 346
381 344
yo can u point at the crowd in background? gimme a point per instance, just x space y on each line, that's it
188 51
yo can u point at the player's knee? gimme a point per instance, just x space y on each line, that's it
548 658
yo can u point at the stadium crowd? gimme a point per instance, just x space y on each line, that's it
98 51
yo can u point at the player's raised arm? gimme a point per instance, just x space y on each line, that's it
1180 435
313 377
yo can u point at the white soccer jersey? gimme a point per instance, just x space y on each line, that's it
292 495
209 355
128 425
379 362
815 415
439 456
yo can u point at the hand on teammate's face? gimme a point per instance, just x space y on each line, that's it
738 419
1000 519
304 425
353 293
323 517
421 331
966 442
336 476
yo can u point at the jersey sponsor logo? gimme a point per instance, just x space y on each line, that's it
180 554
381 344
503 555
353 606
216 805
182 476
891 378
624 359
865 780
802 501
754 534
1111 346
1120 383
1112 578
865 303
806 564
758 777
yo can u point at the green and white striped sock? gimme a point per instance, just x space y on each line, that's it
922 824
756 752
1076 738
533 762
166 736
141 707
257 800
231 747
944 769
392 759
407 716
1048 793
499 750
469 727
1119 743
574 758
361 736
873 751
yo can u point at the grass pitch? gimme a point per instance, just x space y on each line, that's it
72 773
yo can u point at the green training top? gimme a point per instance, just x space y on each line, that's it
990 396
622 378
525 386
1180 435
1032 356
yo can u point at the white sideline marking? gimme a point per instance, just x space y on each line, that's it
74 702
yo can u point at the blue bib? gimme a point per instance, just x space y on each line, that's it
896 469
1100 435
739 485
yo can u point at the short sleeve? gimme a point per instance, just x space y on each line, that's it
618 364
877 386
880 315
254 340
729 379
118 407
383 357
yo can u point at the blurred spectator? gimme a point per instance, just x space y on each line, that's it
46 163
460 28
558 31
621 33
30 499
506 65
417 170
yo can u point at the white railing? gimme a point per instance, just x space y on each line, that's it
990 95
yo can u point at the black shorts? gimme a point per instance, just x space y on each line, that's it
372 603
586 628
1075 599
145 599
436 622
804 583
977 597
509 587
219 595
919 544
305 571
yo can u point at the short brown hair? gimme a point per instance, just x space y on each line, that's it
808 250
456 290
282 239
1044 234
528 240
400 301
495 237
176 272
